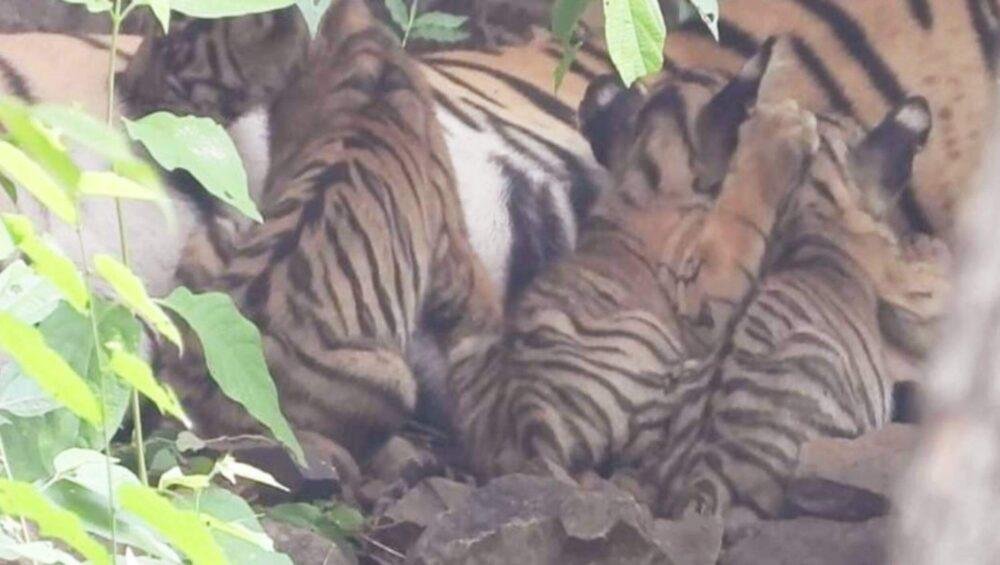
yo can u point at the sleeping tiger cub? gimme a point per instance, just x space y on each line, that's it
860 59
578 376
525 174
363 244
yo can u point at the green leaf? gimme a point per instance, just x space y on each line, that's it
133 370
183 528
708 10
39 143
635 33
86 130
11 550
93 6
17 166
439 19
132 292
439 34
176 478
105 183
399 13
201 147
235 527
22 500
161 9
565 15
565 62
226 8
26 345
336 523
7 247
235 359
21 396
312 11
47 262
230 468
26 295
33 443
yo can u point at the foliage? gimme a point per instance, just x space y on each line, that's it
440 27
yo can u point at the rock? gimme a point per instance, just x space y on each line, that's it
403 522
536 520
874 461
305 546
808 541
693 541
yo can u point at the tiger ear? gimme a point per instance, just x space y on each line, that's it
718 122
606 115
886 154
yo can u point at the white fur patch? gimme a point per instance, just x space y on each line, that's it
252 135
913 118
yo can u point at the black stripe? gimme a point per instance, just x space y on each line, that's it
736 39
985 34
15 81
824 78
855 41
921 11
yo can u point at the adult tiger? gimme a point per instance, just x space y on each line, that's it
524 172
861 58
362 246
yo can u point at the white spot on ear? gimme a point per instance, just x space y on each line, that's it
606 95
914 117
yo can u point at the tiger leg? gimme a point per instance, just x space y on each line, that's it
775 146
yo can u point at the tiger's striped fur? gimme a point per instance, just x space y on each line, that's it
363 244
860 58
805 358
524 172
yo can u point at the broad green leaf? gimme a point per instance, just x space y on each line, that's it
17 166
439 19
183 528
33 443
235 358
105 183
227 8
47 262
230 468
22 500
21 396
86 130
336 523
133 370
26 345
26 295
69 333
565 62
635 33
39 143
11 550
439 34
89 469
161 9
176 478
708 10
399 13
132 292
203 148
235 527
565 15
93 6
312 11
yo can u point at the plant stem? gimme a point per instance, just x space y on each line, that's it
117 16
409 24
10 477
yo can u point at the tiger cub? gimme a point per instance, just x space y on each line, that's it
363 243
860 59
578 377
525 174
805 357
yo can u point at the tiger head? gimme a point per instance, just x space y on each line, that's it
219 68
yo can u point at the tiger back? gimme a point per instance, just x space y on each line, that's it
363 242
860 59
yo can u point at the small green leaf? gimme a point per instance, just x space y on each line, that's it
47 262
399 13
133 294
234 526
26 295
133 370
21 396
226 8
176 478
439 19
635 32
708 10
439 34
312 11
93 6
85 129
161 9
39 143
235 359
26 345
565 62
230 468
201 147
105 183
11 550
183 528
17 166
22 500
565 15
